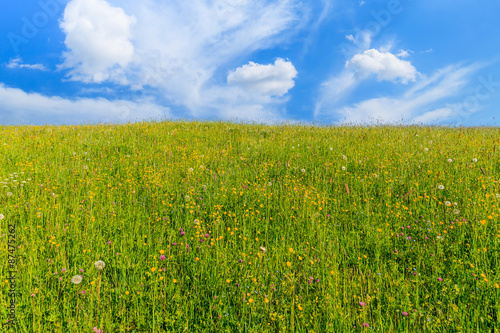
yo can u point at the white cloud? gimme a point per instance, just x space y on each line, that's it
18 63
177 47
19 107
273 80
404 53
98 40
421 103
384 64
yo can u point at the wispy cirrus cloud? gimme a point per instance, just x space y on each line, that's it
18 63
429 100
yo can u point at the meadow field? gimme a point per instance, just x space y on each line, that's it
225 227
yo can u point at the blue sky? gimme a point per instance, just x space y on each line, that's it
311 61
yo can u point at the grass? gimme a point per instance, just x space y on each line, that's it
221 227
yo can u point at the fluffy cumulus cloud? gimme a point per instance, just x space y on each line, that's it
271 80
178 47
34 108
98 41
384 64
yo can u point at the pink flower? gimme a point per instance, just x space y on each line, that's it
207 235
182 233
366 325
162 257
439 279
405 313
362 303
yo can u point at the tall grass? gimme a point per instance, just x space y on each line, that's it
221 227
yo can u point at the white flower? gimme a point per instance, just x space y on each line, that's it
190 169
1 217
450 160
99 265
456 211
426 149
262 249
303 170
76 279
439 238
474 160
447 203
343 168
9 194
441 187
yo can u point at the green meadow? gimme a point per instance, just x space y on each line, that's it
226 227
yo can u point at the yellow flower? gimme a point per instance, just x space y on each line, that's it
161 251
250 300
153 269
92 283
291 250
288 263
175 281
300 308
483 275
161 278
126 293
300 258
228 281
331 272
267 300
197 258
497 286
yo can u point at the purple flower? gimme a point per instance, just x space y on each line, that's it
408 227
182 233
64 270
362 303
174 243
439 279
240 260
187 246
405 313
366 325
81 270
162 257
207 235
